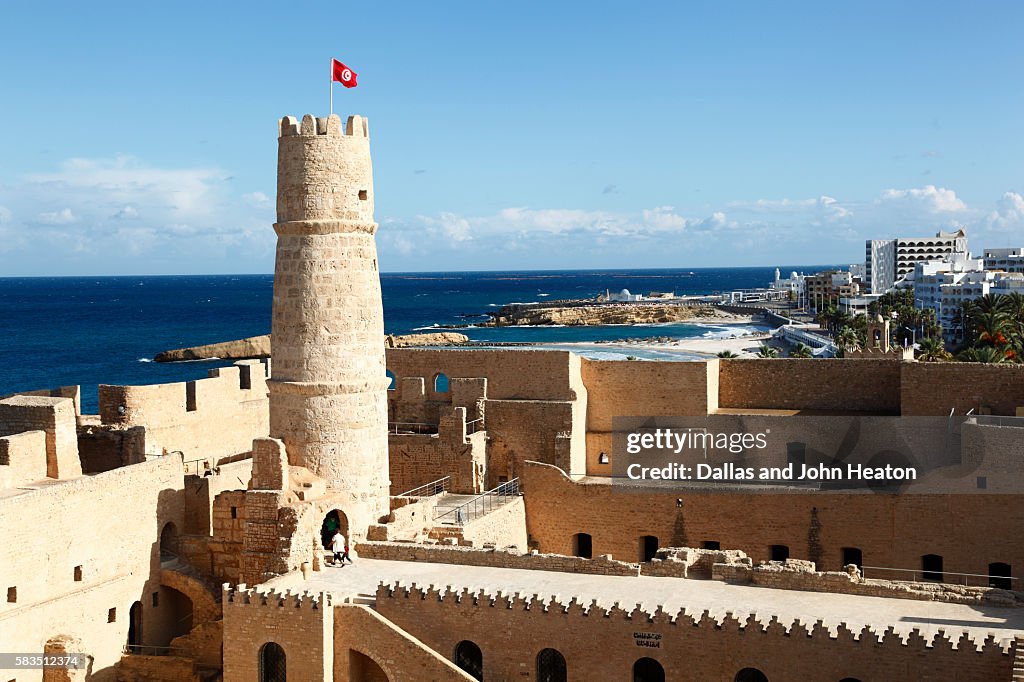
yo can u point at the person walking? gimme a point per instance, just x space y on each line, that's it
340 548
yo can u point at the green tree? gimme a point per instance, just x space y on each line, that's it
801 350
766 351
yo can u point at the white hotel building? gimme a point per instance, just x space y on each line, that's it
886 261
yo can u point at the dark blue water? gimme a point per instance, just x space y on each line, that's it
90 330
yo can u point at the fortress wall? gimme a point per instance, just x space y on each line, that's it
56 418
511 630
361 633
511 374
22 458
109 525
301 624
969 531
625 388
797 384
936 388
209 418
73 392
418 459
521 430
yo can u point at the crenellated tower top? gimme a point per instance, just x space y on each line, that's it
324 173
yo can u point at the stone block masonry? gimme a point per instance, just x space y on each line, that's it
328 401
600 643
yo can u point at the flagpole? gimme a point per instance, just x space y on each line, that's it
332 86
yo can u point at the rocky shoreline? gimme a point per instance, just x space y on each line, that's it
577 314
256 347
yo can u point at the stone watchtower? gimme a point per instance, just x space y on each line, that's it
328 390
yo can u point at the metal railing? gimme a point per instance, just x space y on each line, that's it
985 579
481 504
475 425
150 650
197 467
437 487
407 428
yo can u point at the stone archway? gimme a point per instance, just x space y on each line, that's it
334 520
362 667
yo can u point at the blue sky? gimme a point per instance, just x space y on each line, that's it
141 137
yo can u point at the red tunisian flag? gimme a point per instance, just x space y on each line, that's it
342 74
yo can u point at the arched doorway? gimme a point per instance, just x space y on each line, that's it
363 668
648 547
999 575
750 675
648 670
334 521
273 663
169 542
470 659
173 618
135 626
583 545
551 666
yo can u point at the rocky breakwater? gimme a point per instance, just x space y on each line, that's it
574 315
259 347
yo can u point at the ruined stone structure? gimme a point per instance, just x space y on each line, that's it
176 535
327 390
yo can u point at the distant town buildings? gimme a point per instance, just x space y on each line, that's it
1007 260
888 260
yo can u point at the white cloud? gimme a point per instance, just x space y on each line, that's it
125 213
932 198
258 200
61 217
165 219
1008 214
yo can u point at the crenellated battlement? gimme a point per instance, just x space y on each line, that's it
243 595
330 126
554 605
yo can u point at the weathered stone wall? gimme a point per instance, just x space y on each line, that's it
302 625
75 550
498 557
418 459
369 648
511 374
206 419
603 643
521 430
640 389
503 527
892 531
22 458
53 416
328 398
935 388
799 384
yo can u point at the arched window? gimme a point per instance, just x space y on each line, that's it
999 575
779 552
583 545
168 542
551 666
750 675
470 659
648 670
853 555
931 566
391 380
648 547
272 663
441 383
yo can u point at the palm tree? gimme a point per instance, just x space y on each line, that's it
932 349
848 340
986 354
727 354
991 326
766 351
801 350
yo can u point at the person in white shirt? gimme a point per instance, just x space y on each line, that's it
340 548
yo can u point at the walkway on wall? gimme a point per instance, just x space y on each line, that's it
362 577
461 509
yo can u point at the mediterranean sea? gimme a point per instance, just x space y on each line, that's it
59 331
